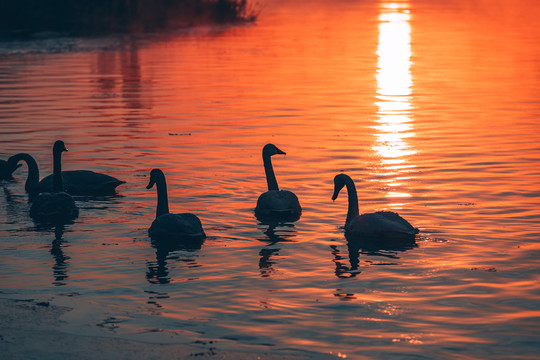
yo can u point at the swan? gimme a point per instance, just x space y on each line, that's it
56 206
6 170
275 203
183 227
76 182
381 225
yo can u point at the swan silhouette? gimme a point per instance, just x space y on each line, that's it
75 182
6 170
384 226
56 206
275 203
183 227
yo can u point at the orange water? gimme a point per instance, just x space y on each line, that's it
431 107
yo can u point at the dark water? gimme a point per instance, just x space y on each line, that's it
431 107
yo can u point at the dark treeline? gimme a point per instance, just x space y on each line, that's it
103 16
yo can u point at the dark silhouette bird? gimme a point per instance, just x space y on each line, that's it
168 227
55 206
6 170
75 182
384 228
275 203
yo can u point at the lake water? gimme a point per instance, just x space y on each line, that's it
432 107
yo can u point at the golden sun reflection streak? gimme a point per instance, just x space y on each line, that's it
394 88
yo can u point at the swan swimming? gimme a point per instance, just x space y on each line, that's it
183 227
76 182
56 206
275 203
380 225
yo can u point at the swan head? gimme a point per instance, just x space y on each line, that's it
339 182
155 174
8 167
271 149
59 147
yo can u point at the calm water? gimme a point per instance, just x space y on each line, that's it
432 107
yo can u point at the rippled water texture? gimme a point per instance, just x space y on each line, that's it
430 106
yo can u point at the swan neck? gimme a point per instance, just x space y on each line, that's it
162 198
57 171
32 178
269 170
353 201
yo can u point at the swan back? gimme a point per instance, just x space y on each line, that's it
278 204
83 182
54 207
380 224
184 227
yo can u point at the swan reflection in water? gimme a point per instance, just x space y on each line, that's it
167 252
266 263
355 248
60 265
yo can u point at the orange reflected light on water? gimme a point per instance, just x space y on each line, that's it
394 88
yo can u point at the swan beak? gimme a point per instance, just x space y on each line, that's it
12 169
150 184
280 152
335 195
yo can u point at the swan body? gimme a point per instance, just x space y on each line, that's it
84 182
278 203
380 225
275 203
170 227
75 182
184 226
56 206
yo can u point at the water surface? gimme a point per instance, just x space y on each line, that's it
431 107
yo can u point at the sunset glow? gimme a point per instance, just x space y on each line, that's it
232 128
394 89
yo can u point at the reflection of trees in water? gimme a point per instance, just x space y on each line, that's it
184 254
130 69
266 262
112 16
119 75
